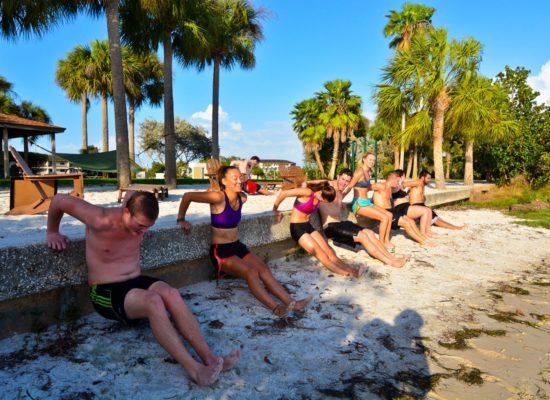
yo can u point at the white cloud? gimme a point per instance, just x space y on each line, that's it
236 126
206 115
541 83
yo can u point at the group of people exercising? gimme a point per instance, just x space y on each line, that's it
119 291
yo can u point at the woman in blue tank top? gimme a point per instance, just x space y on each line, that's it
364 206
227 253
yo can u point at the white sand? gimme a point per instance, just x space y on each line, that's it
357 336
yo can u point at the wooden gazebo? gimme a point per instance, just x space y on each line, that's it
12 126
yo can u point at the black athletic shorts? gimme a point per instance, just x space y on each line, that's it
343 232
298 229
398 212
108 298
221 252
434 215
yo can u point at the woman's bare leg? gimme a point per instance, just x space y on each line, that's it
310 245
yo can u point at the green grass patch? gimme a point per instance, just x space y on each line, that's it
533 218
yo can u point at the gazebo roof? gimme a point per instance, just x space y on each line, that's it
21 127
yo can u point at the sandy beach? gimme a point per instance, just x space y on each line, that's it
467 319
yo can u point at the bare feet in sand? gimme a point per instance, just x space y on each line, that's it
231 359
282 310
399 262
390 246
206 375
361 270
429 243
300 305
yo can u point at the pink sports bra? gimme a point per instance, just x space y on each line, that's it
308 207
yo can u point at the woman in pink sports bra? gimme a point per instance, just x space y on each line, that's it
306 203
227 253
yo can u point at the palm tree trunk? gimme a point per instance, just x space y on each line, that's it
336 139
469 162
409 165
449 162
319 163
215 109
84 122
415 163
169 129
395 156
402 152
119 97
440 106
131 122
105 121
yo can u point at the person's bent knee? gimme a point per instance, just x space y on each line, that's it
155 304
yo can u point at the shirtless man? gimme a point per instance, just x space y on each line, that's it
249 186
383 198
417 197
349 233
118 290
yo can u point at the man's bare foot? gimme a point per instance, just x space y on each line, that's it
361 270
390 246
206 375
432 234
281 310
429 243
302 304
231 359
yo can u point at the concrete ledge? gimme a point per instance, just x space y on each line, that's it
40 286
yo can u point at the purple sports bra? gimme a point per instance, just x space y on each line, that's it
228 218
308 207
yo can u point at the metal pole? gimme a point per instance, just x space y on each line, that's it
6 154
353 148
52 139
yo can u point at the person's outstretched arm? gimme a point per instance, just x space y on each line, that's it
85 212
298 192
198 197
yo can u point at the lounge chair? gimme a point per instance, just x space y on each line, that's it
160 191
36 197
293 177
212 167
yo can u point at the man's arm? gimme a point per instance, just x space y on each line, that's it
78 208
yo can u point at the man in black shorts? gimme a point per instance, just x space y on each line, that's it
118 290
348 233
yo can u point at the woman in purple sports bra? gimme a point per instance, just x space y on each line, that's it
306 203
227 253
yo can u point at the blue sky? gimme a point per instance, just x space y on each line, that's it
307 42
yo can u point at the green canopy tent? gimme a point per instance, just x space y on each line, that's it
100 162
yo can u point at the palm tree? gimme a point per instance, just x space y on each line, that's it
403 25
37 17
479 111
439 66
340 116
232 31
71 76
7 102
412 20
143 82
309 129
148 23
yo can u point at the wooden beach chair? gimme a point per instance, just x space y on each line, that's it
36 197
160 191
293 177
212 167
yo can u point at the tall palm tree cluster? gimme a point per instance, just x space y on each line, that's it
195 32
432 94
330 118
25 109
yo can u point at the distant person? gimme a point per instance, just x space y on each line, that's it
307 201
227 253
363 206
417 197
349 233
118 291
383 198
248 185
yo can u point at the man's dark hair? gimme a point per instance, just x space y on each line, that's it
399 172
255 158
346 171
424 173
144 203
